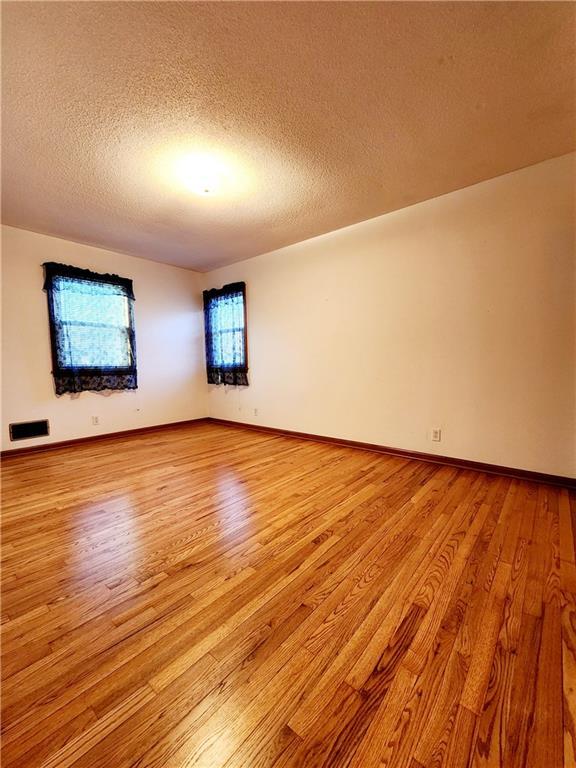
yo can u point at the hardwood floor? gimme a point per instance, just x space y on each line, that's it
211 596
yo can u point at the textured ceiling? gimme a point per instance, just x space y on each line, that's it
328 113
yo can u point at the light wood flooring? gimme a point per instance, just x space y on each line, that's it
218 597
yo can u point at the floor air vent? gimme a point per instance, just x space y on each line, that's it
26 429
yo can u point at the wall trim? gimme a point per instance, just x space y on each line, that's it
103 436
450 461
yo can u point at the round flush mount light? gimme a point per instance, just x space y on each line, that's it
213 173
202 173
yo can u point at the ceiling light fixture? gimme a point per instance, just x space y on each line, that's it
213 173
202 173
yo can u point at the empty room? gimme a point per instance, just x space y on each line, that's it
288 384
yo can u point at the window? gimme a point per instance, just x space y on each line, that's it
225 327
91 329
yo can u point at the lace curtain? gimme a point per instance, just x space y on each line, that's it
225 328
91 329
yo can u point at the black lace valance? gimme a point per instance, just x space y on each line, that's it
91 329
52 270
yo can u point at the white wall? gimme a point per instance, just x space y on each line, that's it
169 343
458 312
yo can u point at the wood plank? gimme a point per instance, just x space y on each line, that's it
485 644
569 679
546 734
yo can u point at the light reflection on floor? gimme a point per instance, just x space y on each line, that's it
232 503
98 551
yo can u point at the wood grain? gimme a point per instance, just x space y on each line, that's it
203 595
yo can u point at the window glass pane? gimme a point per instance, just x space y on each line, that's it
226 317
92 324
87 346
229 348
227 313
89 302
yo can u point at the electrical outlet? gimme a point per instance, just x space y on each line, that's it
95 420
255 411
436 434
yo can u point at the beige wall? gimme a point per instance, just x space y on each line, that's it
456 313
169 339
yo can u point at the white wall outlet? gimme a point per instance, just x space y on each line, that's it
95 420
255 411
436 434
